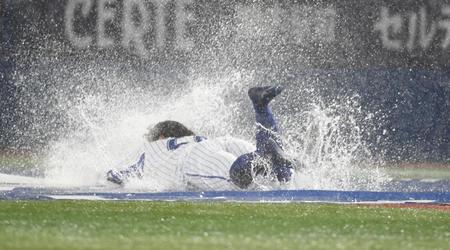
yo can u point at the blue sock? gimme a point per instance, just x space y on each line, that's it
267 132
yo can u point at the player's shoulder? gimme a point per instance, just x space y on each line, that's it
172 143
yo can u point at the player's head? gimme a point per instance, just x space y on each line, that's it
167 129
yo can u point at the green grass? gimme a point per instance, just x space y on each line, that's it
181 225
418 173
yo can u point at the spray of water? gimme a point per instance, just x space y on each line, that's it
106 132
332 153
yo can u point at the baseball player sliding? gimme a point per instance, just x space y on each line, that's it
174 154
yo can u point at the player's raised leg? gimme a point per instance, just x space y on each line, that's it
268 142
268 135
267 131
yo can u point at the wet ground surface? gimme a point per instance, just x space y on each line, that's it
425 195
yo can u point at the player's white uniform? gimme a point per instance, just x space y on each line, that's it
193 162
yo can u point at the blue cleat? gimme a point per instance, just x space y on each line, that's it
261 96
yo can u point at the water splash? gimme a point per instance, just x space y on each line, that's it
107 131
329 145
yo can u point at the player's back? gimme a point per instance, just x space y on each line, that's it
168 162
206 164
163 160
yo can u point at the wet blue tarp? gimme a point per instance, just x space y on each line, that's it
326 196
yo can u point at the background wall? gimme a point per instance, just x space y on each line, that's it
392 56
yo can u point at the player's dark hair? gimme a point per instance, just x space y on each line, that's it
168 129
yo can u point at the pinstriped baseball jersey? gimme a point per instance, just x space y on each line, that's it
193 162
